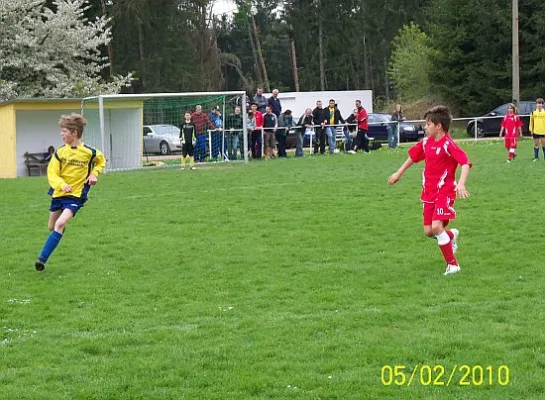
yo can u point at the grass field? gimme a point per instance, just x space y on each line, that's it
286 279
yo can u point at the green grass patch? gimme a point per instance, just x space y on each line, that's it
282 279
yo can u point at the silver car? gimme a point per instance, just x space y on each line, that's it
162 139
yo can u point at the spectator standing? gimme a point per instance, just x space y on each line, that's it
257 132
234 130
250 128
217 136
397 117
303 126
362 140
334 118
270 125
351 126
260 100
274 102
285 123
201 121
320 116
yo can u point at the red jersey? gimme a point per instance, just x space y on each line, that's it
258 119
511 123
442 159
361 115
201 121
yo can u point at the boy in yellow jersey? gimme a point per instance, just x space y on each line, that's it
537 128
188 136
72 171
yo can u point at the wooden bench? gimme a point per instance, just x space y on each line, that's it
37 161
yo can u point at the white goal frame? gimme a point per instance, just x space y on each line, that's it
146 96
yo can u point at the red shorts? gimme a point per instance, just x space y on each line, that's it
440 210
510 143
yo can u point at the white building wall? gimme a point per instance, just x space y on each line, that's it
37 130
297 102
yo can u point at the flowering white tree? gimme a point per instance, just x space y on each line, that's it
46 53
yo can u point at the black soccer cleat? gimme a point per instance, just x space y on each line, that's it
40 265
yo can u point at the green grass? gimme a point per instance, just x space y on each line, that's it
285 279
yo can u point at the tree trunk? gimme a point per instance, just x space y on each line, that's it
260 55
110 44
365 63
294 65
387 81
258 74
321 50
355 76
142 54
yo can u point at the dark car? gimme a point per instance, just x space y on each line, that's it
380 124
487 125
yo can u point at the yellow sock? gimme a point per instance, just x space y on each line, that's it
191 162
183 162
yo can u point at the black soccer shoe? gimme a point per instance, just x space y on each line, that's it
40 265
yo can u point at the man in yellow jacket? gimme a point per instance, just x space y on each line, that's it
537 128
72 171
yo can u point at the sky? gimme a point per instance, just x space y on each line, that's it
223 7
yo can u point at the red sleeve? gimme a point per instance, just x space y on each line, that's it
417 152
459 155
362 114
503 122
519 122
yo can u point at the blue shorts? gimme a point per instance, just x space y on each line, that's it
536 137
63 203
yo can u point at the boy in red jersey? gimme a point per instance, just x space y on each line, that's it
511 123
439 187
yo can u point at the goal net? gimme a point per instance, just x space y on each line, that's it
137 130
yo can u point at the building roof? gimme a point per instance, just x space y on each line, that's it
41 100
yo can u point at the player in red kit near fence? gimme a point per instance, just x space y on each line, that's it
511 125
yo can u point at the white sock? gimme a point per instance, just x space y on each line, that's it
442 238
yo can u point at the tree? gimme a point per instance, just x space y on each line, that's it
471 68
410 63
53 50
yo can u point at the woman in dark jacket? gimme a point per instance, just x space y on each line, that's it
352 122
397 117
305 123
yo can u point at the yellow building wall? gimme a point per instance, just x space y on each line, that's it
7 141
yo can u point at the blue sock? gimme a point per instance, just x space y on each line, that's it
536 152
50 245
543 148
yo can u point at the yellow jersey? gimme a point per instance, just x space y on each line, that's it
72 165
537 122
332 116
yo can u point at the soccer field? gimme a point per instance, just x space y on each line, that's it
285 279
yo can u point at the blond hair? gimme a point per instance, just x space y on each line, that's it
74 123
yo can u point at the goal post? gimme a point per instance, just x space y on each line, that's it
135 129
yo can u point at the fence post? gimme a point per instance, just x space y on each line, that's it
398 135
262 142
475 128
210 144
223 147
